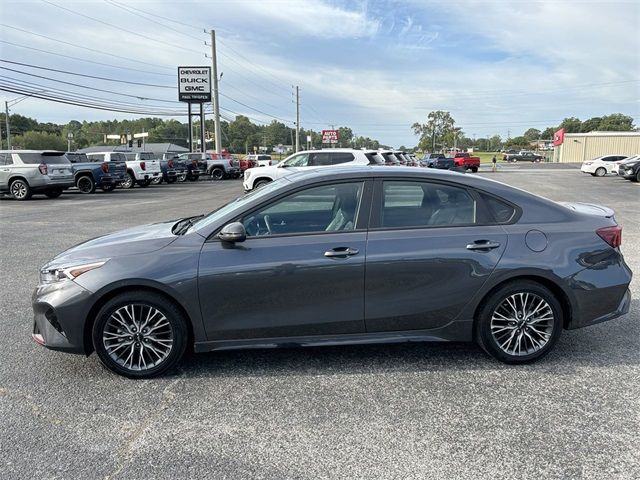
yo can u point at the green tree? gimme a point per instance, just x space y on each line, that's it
532 134
571 125
616 122
547 133
439 124
591 125
40 141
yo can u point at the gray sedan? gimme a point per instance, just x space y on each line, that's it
343 256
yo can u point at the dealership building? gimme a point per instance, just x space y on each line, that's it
577 147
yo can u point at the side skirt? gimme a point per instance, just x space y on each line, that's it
457 331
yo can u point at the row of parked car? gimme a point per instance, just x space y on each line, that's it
27 172
623 165
258 177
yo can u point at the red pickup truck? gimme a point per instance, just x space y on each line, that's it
465 160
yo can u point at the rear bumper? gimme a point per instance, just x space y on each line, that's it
67 181
107 181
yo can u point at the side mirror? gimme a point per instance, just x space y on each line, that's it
233 232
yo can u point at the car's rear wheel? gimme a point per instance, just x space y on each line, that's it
140 334
193 178
156 181
53 193
20 189
260 183
519 323
86 184
216 174
600 172
637 177
182 177
144 183
129 181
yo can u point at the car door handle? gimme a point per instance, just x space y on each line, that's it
485 245
341 252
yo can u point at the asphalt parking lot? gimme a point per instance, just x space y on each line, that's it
389 411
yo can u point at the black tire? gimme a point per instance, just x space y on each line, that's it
129 180
600 172
260 183
182 177
193 178
483 329
474 169
54 193
637 177
144 183
20 189
86 184
108 188
140 299
216 174
593 174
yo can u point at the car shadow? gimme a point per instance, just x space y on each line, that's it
611 343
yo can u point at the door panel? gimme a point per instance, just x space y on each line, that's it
422 278
283 286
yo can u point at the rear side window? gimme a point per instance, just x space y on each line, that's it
338 158
374 159
119 157
95 157
423 204
319 159
501 211
45 157
5 159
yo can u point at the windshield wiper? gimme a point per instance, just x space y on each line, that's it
183 225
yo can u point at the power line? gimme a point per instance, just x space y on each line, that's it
254 109
119 27
86 48
86 76
87 61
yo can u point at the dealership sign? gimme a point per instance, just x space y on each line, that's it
558 137
194 84
330 136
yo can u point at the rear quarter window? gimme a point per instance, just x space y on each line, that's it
499 210
338 158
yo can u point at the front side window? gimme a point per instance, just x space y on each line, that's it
329 208
297 161
422 204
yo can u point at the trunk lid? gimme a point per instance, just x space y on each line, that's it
589 209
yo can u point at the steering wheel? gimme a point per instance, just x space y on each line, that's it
267 223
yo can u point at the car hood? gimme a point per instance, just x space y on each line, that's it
132 241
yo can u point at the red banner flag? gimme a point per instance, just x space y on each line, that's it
558 137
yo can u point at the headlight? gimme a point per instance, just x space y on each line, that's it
55 275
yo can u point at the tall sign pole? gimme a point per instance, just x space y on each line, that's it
190 130
6 118
216 100
203 145
297 119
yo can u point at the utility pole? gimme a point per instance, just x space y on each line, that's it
6 117
297 119
216 100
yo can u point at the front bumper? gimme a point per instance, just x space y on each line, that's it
59 314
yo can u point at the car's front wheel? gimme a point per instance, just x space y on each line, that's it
216 174
86 184
140 334
129 181
260 183
519 323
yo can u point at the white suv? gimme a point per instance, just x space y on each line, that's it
261 159
600 166
259 176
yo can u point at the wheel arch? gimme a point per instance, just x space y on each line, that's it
83 173
553 286
110 293
262 178
17 177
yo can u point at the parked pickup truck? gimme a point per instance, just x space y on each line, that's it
525 156
144 166
138 171
91 173
196 165
222 166
466 161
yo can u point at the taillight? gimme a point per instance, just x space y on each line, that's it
43 168
104 167
611 235
170 163
143 165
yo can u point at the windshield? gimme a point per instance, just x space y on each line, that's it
77 157
238 203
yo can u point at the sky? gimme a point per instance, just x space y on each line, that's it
377 66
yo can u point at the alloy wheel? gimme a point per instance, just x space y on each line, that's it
19 190
522 324
138 337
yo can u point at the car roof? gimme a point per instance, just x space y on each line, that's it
32 151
